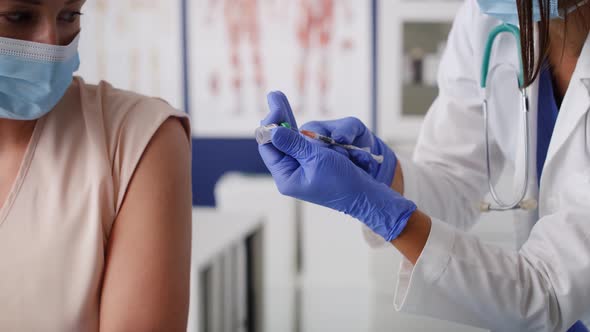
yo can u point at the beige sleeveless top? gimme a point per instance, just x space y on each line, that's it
56 222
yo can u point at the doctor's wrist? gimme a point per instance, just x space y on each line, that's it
412 240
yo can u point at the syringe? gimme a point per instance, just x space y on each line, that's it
264 134
331 141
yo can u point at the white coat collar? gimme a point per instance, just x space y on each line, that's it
575 103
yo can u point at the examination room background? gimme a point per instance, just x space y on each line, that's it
216 59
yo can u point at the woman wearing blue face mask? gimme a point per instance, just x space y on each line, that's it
95 199
514 91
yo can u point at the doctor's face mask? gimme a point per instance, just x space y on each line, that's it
507 10
38 55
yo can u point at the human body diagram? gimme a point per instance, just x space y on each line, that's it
312 28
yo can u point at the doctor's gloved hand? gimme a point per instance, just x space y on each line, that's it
353 131
316 174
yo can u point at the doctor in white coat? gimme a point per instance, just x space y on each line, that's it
424 206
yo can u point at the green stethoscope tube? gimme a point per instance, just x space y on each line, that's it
485 67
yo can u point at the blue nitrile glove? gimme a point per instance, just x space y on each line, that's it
325 177
353 131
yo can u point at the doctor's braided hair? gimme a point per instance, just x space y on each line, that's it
531 61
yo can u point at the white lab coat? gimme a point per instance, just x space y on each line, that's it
545 285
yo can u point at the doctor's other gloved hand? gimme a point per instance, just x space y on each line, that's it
319 175
352 131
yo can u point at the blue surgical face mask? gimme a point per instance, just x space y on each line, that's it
506 10
34 77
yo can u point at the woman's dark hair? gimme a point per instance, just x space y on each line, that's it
531 61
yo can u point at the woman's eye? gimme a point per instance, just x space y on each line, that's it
17 17
70 17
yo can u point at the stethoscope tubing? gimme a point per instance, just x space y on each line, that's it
520 202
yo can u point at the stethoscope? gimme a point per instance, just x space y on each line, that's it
520 202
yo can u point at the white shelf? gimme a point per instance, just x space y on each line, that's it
428 11
213 232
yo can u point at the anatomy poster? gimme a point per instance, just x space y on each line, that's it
134 45
316 51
